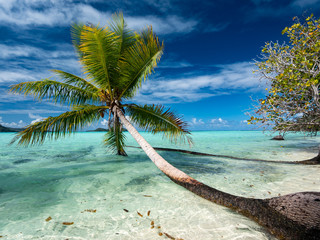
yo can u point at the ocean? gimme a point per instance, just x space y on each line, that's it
74 189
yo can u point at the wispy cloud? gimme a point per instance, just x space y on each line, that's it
216 28
104 122
24 13
12 124
29 63
15 76
174 63
196 122
36 118
9 51
215 123
7 97
163 5
273 8
305 3
166 25
27 111
218 121
230 78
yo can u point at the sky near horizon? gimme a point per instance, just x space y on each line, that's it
206 72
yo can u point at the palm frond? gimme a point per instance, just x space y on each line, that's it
99 55
126 37
76 81
57 91
76 30
155 118
55 127
140 61
115 140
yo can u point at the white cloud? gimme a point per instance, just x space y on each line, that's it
19 124
210 124
49 13
288 8
218 121
14 51
26 13
237 77
173 63
37 118
15 76
305 3
7 4
104 122
7 97
27 111
32 63
34 116
167 25
298 115
196 122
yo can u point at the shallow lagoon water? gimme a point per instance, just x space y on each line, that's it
76 180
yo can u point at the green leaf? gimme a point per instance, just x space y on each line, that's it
155 118
75 80
115 140
55 127
99 55
139 61
56 91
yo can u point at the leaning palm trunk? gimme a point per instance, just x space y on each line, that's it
281 216
313 161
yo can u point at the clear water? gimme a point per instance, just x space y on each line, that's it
76 180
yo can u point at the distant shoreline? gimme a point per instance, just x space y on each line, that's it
8 129
98 130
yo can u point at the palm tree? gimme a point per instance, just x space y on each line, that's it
115 61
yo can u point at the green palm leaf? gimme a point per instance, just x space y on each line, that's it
99 55
55 127
75 35
139 62
156 118
115 140
126 37
75 80
57 91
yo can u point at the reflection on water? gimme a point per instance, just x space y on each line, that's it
88 193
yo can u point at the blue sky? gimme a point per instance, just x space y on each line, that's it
205 73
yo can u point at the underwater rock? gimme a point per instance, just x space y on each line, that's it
279 137
22 161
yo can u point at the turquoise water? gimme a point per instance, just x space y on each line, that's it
76 180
